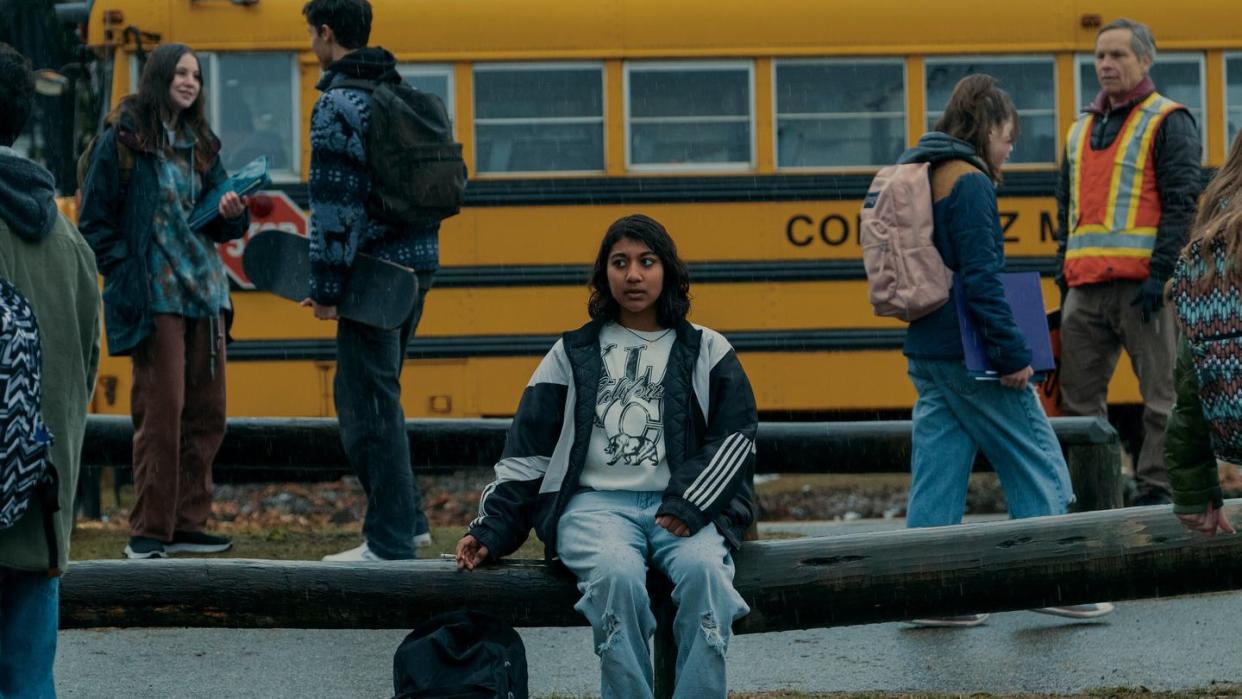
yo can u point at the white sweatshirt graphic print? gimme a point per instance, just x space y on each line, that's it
627 435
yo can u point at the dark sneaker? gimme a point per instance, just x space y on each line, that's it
144 547
197 542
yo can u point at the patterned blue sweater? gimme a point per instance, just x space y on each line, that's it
340 183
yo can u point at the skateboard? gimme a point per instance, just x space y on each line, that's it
379 293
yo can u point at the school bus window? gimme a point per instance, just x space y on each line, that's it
437 80
1031 82
253 103
689 115
539 118
1233 94
840 113
1178 76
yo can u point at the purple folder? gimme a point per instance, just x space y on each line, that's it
1026 299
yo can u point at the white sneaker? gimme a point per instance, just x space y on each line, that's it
422 540
1079 611
360 553
962 621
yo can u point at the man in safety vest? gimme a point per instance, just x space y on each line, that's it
1125 199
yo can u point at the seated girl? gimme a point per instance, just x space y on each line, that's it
633 445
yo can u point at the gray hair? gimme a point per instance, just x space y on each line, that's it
1142 43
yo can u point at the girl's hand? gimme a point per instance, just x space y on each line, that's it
1208 522
231 205
675 526
470 553
1018 379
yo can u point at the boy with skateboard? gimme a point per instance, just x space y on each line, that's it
367 387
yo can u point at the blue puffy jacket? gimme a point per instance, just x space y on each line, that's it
968 236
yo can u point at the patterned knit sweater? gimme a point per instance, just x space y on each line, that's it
1212 324
340 183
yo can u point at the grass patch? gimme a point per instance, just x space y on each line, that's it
95 543
91 541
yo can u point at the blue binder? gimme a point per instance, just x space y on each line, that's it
247 180
1026 299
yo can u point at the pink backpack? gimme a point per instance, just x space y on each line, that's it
906 277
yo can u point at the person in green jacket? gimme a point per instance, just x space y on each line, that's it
1189 456
48 261
1206 423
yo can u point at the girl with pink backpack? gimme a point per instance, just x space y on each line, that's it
957 414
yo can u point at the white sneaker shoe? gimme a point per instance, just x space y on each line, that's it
422 540
962 621
360 553
1079 611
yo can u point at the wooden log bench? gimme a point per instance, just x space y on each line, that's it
1115 555
293 449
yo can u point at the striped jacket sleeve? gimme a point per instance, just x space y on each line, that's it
709 479
507 505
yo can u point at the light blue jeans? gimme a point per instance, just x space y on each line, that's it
607 538
29 617
956 416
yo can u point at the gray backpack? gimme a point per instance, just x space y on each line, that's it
418 176
906 277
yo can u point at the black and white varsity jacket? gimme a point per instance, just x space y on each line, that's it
709 438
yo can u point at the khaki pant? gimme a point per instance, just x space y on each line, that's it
1097 321
179 420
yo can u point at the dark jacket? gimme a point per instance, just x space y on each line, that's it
967 233
48 261
709 430
116 219
1188 452
1179 176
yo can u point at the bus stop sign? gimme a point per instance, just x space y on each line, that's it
279 212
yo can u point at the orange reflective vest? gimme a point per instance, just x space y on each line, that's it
1114 207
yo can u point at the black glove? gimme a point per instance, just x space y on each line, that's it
1150 297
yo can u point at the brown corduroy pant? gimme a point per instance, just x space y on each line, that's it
178 406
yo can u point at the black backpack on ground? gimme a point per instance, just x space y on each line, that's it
461 655
417 173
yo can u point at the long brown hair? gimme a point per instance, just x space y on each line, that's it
976 107
1220 220
152 104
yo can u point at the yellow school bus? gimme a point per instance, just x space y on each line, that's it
750 129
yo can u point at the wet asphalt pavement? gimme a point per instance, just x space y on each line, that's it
1167 644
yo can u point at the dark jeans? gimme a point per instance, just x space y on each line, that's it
368 404
29 617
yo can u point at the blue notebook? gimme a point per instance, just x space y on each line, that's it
245 181
1026 299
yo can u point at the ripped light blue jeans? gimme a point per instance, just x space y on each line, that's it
607 539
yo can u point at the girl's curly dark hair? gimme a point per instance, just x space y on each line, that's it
674 302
